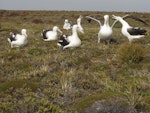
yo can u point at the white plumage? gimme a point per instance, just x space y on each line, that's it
105 32
51 35
63 41
67 24
18 40
79 24
71 41
128 31
74 40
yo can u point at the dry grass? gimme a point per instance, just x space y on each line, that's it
71 80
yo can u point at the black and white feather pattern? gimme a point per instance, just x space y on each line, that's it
136 31
44 33
128 31
63 41
12 36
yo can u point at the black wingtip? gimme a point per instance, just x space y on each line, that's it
88 19
136 18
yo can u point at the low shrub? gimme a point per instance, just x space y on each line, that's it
23 100
131 53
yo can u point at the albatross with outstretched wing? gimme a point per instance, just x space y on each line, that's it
105 32
128 31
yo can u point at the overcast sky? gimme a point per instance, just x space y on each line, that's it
78 5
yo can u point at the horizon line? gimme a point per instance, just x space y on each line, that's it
73 10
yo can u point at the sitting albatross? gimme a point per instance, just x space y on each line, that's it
67 24
51 35
128 31
71 41
18 40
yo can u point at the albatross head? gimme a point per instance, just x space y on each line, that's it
76 28
106 17
116 17
23 32
66 21
55 28
79 19
106 20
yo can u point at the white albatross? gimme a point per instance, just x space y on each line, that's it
18 40
67 24
105 32
79 24
128 31
51 35
71 41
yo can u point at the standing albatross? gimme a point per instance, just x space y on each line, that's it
105 32
128 31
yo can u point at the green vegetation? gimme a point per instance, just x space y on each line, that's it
131 53
42 78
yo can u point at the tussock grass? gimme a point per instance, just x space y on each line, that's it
131 53
41 77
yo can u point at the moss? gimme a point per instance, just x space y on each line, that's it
87 101
36 51
18 84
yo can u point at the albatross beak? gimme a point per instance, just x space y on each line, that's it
81 30
60 31
113 16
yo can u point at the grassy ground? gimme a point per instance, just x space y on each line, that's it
42 78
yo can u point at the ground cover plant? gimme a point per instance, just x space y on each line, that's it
42 78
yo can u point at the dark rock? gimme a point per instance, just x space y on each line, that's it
114 105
